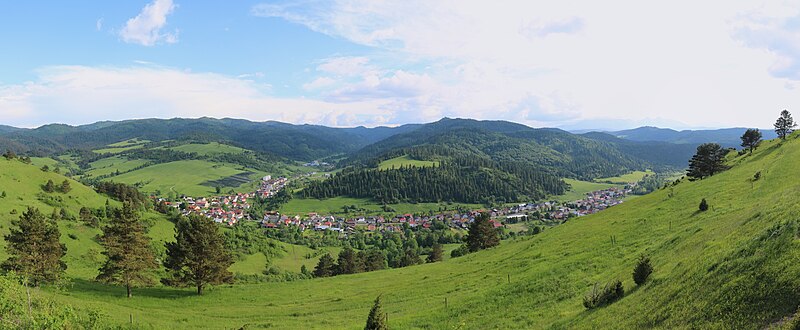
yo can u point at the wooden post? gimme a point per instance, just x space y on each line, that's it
445 302
509 278
131 316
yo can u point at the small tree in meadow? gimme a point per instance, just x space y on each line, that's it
377 317
642 270
703 205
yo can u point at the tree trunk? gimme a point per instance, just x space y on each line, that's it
128 287
199 289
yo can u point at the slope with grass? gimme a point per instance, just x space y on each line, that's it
733 266
405 160
185 177
22 184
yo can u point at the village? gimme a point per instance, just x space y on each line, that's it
233 208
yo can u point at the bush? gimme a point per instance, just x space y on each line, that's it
610 293
460 251
703 205
642 270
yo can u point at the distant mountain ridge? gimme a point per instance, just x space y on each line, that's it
727 137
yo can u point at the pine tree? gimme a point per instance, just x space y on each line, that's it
127 247
436 253
703 205
349 263
785 124
377 317
325 267
751 139
707 161
482 234
49 187
34 248
642 270
65 187
198 256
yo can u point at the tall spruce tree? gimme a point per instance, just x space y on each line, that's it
482 234
130 259
709 160
349 262
751 139
198 256
49 187
325 267
436 253
34 249
785 124
377 317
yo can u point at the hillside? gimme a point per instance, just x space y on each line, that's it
297 142
733 266
22 184
727 137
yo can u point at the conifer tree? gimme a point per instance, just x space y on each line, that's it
751 139
707 161
703 205
642 270
436 253
49 187
130 259
785 124
34 249
65 187
377 317
349 263
198 256
482 234
325 267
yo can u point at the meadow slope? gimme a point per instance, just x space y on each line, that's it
734 266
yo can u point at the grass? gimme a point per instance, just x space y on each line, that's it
116 150
128 143
208 149
299 206
405 160
250 265
110 165
578 189
632 177
732 267
183 177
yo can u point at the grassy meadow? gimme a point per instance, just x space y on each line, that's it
405 160
733 266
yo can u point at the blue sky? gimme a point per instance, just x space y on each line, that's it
572 64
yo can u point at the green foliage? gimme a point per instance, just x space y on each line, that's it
377 317
326 266
482 234
751 139
709 160
49 187
34 249
130 260
460 251
198 256
610 293
436 253
642 270
785 124
65 187
703 205
23 308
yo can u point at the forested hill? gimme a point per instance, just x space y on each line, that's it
554 150
299 142
727 137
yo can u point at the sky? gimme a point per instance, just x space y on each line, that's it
567 64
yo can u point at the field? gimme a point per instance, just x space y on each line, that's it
183 177
733 266
110 165
299 205
626 178
208 149
579 189
405 160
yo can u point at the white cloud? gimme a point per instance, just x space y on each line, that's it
80 94
145 28
99 24
565 63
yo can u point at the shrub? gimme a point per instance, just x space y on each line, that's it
610 293
703 205
460 251
642 270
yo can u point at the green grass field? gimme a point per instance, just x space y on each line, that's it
116 150
128 143
578 189
112 164
405 160
184 177
632 177
299 206
733 266
208 149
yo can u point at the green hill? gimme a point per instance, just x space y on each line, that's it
22 185
731 267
